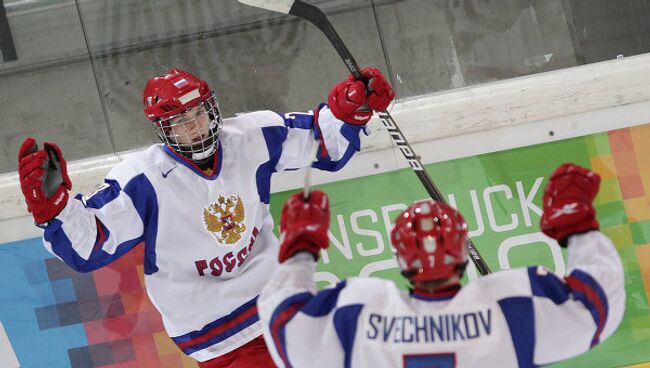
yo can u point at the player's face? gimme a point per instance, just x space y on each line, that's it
190 127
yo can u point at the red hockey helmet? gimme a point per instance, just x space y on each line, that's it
167 99
429 239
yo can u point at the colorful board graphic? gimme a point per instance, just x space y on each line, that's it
58 318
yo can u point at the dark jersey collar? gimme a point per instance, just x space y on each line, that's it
445 293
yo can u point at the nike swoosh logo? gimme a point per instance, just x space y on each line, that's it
164 174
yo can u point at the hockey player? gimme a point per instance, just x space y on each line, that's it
199 204
521 317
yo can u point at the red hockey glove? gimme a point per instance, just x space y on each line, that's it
568 201
349 100
381 92
304 224
43 178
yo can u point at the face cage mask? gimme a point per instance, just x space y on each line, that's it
202 147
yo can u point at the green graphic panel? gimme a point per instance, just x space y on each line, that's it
500 195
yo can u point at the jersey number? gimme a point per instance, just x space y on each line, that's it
441 360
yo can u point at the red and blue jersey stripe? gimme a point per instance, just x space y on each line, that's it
588 291
220 329
282 315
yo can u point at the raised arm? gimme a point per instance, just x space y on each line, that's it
292 313
84 232
337 125
568 316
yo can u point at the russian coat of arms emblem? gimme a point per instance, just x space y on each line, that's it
225 219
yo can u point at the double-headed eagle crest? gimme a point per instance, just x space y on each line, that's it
225 218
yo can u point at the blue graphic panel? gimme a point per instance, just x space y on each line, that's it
38 314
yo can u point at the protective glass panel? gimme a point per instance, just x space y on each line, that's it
73 72
47 83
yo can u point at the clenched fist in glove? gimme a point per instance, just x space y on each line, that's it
568 201
304 224
44 179
350 101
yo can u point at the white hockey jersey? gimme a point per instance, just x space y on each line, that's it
515 318
209 245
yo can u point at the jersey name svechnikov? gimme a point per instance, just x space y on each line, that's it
429 328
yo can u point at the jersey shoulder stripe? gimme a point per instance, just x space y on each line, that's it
520 317
246 123
345 323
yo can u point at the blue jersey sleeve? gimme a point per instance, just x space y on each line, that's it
92 231
294 315
338 140
560 317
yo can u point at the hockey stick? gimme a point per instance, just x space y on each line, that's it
307 187
319 19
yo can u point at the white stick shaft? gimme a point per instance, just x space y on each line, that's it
282 6
312 154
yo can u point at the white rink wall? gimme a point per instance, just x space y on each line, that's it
442 126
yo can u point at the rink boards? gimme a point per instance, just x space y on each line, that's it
54 317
